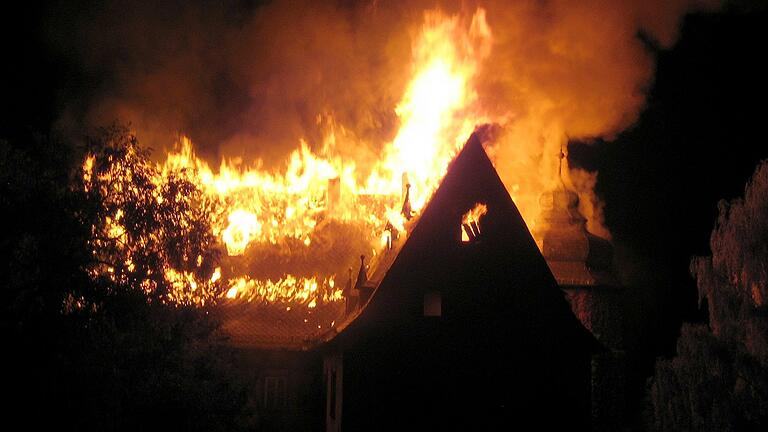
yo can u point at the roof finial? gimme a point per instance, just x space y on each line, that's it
407 211
362 276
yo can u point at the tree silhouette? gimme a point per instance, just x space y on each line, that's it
99 338
148 229
719 379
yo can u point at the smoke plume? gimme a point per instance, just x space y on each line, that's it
249 80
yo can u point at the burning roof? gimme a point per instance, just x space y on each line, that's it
290 233
292 327
470 192
289 236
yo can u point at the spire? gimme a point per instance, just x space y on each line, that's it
559 205
362 276
575 256
407 211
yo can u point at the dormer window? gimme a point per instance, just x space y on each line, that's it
470 223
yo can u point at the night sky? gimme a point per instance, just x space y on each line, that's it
698 141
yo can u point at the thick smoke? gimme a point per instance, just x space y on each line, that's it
240 80
250 80
568 69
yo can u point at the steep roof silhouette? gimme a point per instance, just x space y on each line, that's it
464 334
433 258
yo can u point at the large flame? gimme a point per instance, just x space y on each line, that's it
261 216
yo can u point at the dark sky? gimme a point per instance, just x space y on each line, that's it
698 141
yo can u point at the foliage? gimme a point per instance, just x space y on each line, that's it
711 385
87 351
735 278
146 224
719 379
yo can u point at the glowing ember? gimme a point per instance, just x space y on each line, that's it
243 227
288 289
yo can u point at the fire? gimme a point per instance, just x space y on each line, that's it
243 227
470 222
268 219
288 289
474 215
435 120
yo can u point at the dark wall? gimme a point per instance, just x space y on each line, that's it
285 389
506 349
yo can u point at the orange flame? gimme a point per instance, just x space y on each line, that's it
470 222
475 214
255 208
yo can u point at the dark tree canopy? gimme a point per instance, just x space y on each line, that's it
91 349
149 229
734 279
719 379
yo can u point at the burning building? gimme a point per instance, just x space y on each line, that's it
452 315
466 331
460 324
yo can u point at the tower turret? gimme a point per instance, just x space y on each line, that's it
582 264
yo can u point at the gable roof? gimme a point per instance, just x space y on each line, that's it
506 257
505 261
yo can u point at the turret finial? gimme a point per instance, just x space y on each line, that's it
407 210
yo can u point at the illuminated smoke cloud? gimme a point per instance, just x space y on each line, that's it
250 80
